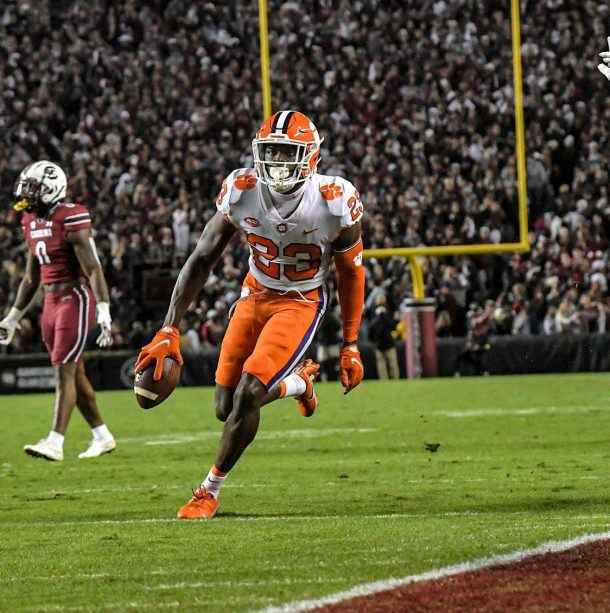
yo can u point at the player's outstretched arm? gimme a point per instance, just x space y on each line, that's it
27 289
212 242
347 253
84 248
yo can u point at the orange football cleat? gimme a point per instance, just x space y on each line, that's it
201 505
308 371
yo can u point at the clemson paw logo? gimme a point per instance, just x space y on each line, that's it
330 192
244 182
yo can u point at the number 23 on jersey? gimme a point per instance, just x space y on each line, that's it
264 251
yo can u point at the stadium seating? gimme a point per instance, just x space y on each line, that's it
149 104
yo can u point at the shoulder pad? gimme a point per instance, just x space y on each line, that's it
343 199
239 181
74 216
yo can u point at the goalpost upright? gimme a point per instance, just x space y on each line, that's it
264 51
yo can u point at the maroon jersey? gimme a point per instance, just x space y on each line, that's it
47 238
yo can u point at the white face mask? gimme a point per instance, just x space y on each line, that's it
281 172
281 166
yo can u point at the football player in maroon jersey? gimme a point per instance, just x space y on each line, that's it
62 256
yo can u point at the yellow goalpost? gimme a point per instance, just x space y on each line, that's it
264 49
412 253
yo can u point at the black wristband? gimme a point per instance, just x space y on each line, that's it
348 343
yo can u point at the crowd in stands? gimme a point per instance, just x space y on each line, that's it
148 105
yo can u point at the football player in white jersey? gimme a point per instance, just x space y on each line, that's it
295 221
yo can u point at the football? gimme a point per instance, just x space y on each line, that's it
151 393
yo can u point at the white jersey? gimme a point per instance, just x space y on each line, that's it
292 252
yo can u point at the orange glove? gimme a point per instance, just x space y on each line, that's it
166 344
351 368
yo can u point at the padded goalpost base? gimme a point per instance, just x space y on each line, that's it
419 318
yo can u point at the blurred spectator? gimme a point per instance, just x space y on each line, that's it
380 334
182 235
137 337
567 318
549 325
148 105
539 187
329 344
400 331
212 330
477 345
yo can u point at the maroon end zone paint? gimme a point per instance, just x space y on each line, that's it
574 580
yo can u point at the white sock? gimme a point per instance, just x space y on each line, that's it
56 439
213 482
101 433
292 385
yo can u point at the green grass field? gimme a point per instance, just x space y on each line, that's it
315 505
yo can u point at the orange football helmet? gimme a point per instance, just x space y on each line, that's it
298 132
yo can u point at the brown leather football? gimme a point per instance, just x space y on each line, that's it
151 393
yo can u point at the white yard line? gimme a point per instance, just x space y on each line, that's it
509 412
236 583
114 606
118 575
261 436
185 437
257 518
142 488
86 576
455 569
159 487
193 604
594 516
280 518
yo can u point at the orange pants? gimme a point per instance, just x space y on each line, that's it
269 333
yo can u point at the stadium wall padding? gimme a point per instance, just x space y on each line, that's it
507 355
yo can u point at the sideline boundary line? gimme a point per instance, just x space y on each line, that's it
366 589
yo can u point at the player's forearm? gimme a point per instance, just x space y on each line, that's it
190 281
25 293
350 286
84 247
99 286
349 290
